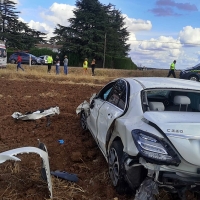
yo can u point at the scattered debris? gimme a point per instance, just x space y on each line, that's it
65 175
37 114
61 141
11 155
147 191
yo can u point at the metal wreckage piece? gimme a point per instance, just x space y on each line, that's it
41 151
147 191
37 114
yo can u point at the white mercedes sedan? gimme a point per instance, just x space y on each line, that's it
147 128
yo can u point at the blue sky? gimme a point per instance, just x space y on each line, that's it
160 30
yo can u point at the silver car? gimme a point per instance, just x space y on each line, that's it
147 128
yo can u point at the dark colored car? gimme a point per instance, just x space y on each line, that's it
25 58
192 73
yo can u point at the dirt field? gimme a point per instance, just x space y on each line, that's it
79 153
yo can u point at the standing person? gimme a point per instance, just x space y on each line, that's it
57 65
172 68
19 61
49 62
85 65
65 61
93 64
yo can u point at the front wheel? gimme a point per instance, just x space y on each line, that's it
193 78
116 167
83 119
33 62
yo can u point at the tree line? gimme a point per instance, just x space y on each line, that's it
95 31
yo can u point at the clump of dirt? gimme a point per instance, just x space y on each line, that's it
78 154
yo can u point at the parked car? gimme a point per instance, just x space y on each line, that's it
147 128
192 73
44 59
25 58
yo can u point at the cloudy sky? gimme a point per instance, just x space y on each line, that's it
160 30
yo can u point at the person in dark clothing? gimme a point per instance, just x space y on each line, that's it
19 61
172 68
93 64
57 64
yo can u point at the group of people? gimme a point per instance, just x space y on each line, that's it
85 66
57 64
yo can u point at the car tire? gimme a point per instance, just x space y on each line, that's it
33 62
83 120
12 61
116 168
194 78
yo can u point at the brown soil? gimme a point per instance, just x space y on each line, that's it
78 155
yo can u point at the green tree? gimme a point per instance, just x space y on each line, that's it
93 29
16 33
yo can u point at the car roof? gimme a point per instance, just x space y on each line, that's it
164 82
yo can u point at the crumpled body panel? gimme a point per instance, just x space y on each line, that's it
11 155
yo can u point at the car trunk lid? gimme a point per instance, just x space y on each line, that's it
182 129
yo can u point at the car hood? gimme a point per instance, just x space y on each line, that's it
182 129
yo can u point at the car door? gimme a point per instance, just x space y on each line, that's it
113 108
95 105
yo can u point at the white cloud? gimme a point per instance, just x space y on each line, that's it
135 25
58 14
190 36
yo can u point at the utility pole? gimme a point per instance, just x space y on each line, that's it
104 53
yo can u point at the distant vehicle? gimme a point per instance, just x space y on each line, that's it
192 73
3 55
25 58
44 59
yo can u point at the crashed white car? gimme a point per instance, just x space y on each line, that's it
147 127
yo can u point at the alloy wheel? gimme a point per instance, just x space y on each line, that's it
193 78
114 168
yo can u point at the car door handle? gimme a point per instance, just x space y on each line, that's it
109 116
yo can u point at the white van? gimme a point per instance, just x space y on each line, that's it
3 55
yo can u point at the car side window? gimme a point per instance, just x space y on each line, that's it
103 94
118 94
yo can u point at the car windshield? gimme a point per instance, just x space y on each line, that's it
170 100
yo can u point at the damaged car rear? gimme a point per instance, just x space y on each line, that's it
147 128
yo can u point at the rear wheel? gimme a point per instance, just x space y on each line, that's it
194 78
83 119
116 167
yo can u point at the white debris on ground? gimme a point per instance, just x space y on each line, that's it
11 155
36 114
147 191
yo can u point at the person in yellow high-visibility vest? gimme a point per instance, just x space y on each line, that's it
172 69
49 62
85 65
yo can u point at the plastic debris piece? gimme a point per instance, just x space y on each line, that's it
11 155
147 191
65 175
61 141
37 114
